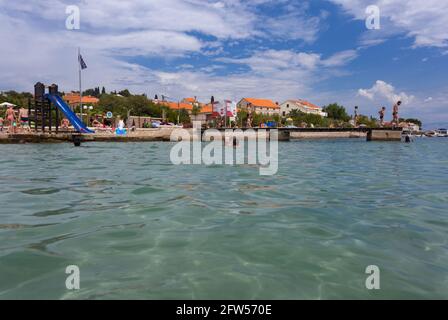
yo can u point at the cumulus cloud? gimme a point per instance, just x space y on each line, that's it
382 90
289 60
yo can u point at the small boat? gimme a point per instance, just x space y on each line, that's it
430 134
442 133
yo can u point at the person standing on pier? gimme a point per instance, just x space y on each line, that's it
10 117
382 113
356 116
24 119
395 113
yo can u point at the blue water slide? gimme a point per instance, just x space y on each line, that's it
71 116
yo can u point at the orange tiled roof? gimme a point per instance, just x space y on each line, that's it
308 104
205 108
72 98
263 103
189 100
177 106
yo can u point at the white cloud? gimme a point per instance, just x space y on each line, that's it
289 60
382 90
340 58
293 24
425 21
114 32
225 19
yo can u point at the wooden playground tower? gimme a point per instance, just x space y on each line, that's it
41 111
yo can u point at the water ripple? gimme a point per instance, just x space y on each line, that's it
140 227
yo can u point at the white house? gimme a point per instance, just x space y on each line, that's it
300 105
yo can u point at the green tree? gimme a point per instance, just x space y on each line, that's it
140 105
336 112
18 98
125 93
370 122
196 109
310 119
241 117
90 92
413 120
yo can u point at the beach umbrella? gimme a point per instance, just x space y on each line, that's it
7 104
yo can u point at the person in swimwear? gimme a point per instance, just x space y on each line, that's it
382 113
10 117
395 113
24 119
356 117
65 123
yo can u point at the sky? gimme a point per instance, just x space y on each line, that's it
319 50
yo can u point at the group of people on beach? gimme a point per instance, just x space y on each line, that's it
13 121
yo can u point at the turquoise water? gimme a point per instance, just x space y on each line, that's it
139 227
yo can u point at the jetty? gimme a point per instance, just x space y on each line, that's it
164 134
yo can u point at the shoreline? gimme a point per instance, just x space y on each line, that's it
151 135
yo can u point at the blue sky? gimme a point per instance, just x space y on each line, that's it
316 50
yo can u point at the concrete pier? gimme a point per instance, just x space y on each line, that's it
164 134
384 135
283 135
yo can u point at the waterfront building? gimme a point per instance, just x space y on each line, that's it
259 106
302 106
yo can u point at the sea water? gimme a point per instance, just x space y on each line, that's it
139 227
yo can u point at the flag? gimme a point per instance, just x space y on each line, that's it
231 108
218 109
81 62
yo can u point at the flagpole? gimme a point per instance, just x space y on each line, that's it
225 117
80 85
